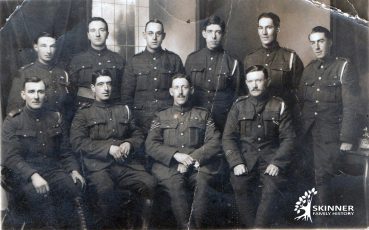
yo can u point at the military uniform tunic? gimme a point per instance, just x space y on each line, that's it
84 64
190 130
217 79
35 141
94 130
258 132
57 91
284 68
146 84
329 93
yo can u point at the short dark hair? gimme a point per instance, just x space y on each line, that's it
214 20
99 73
155 20
256 68
93 19
33 79
271 15
41 35
181 75
321 29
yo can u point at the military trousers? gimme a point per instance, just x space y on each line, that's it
258 195
192 187
43 206
105 187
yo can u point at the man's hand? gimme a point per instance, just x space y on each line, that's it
272 170
76 176
125 148
183 158
346 146
115 152
240 169
181 168
40 184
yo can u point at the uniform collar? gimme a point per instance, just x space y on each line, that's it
213 52
261 99
324 62
275 46
98 52
157 53
47 67
103 104
34 113
184 108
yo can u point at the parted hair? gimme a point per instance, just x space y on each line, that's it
33 79
214 20
41 35
181 75
155 20
93 19
321 29
256 68
98 73
275 18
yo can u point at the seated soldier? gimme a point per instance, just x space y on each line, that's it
258 141
37 152
184 143
107 136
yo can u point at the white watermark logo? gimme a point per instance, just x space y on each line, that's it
304 204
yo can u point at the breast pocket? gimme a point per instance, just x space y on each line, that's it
165 78
197 75
245 121
279 75
332 91
123 129
28 139
169 132
224 81
196 133
143 80
309 89
85 77
271 123
97 128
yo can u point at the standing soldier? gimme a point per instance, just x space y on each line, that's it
56 79
329 92
96 57
284 65
215 74
258 142
184 141
147 78
106 135
37 152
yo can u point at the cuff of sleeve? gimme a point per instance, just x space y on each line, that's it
233 158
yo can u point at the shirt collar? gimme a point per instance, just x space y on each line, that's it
34 113
215 51
261 99
103 104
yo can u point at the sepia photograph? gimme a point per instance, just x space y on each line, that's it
184 114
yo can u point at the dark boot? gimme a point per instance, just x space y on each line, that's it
80 213
146 213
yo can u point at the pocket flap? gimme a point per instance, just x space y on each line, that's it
246 115
196 124
168 124
271 116
197 68
95 121
280 67
54 131
25 133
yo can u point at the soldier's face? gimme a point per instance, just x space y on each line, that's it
213 35
154 36
45 48
180 91
256 83
34 94
267 32
97 34
102 88
320 44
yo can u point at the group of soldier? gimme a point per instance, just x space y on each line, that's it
155 126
